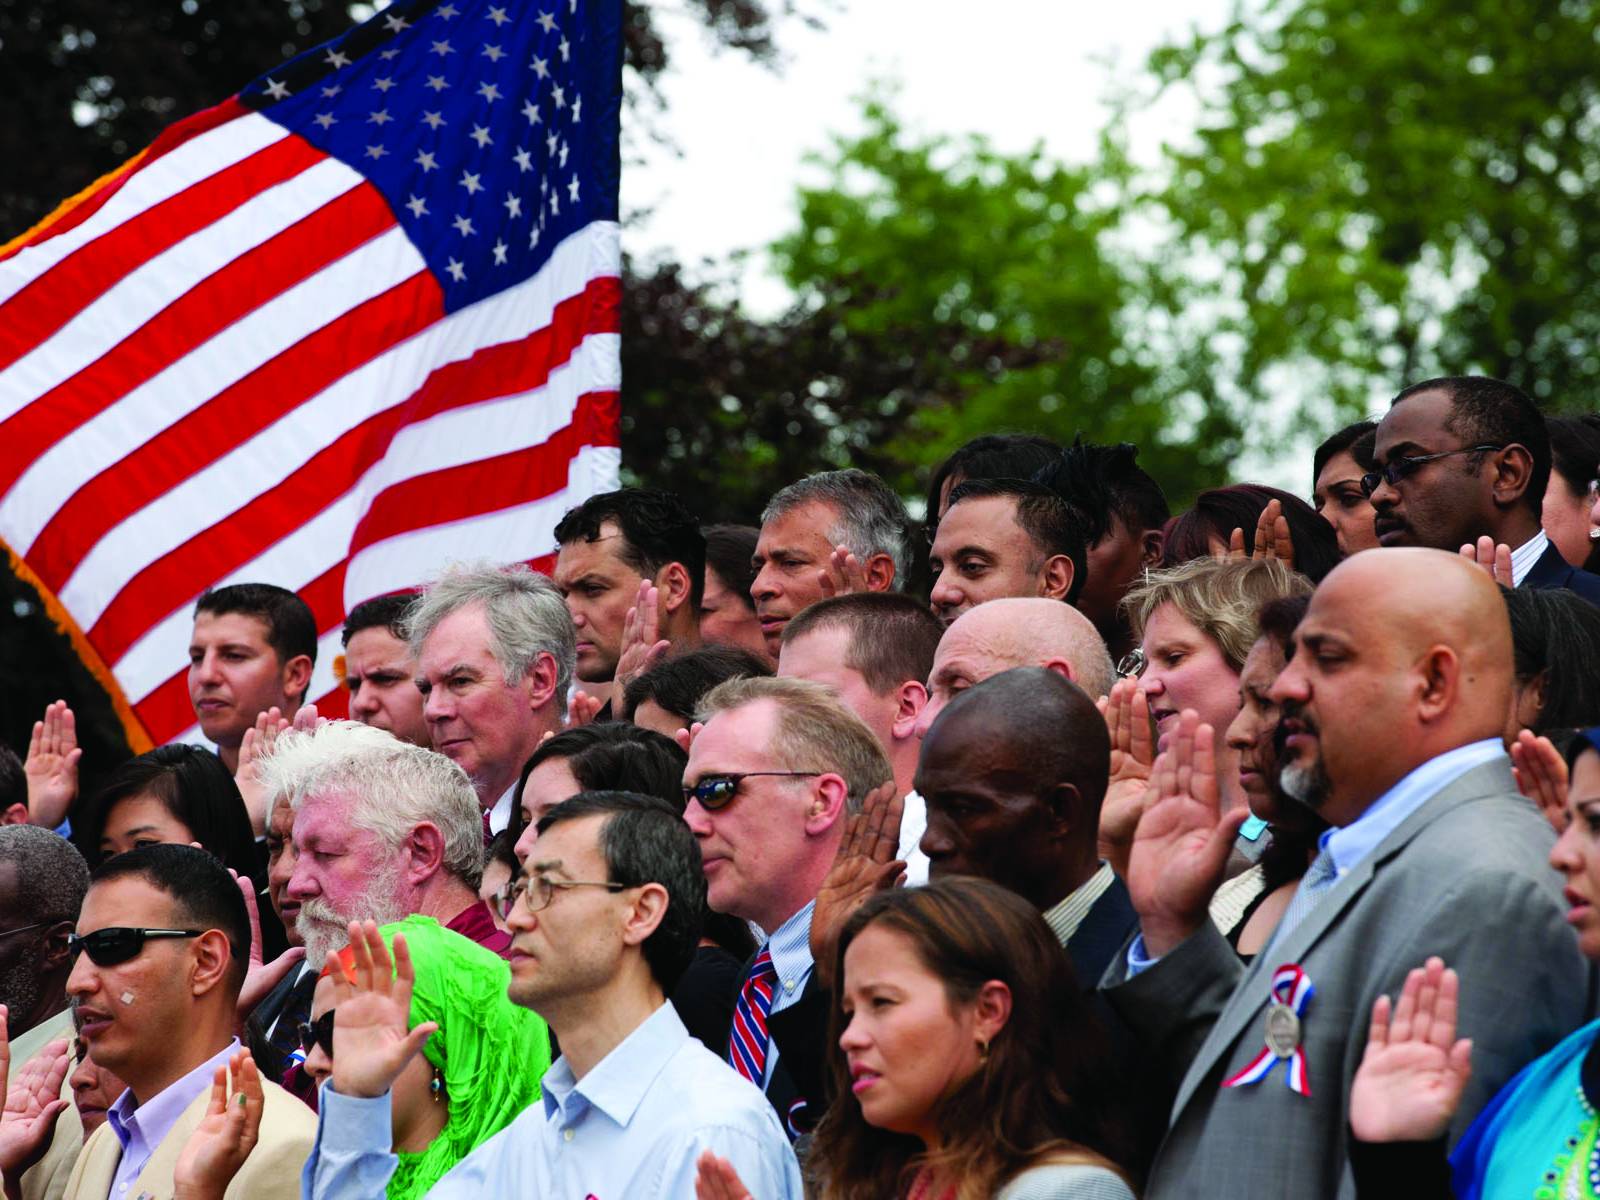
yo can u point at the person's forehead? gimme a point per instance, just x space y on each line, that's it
322 997
822 646
601 555
968 649
734 739
575 844
809 522
233 627
1263 664
1168 623
1418 421
376 644
1339 467
463 636
281 821
125 900
985 521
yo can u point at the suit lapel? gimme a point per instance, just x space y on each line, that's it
156 1178
101 1154
1250 998
1549 570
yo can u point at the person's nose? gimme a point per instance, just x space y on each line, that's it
1242 730
698 820
302 881
945 594
937 841
437 706
854 1036
83 979
1565 855
364 703
1290 685
209 669
1385 495
525 843
764 585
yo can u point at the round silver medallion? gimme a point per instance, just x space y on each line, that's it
1283 1030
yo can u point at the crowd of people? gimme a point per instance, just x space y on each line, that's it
1084 851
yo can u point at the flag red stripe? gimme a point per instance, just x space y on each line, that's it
334 230
491 484
230 418
235 540
53 299
168 141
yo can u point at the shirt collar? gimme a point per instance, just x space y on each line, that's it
790 947
1525 555
1066 916
151 1121
1347 845
618 1082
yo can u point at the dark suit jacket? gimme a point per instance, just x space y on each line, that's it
1553 571
1106 929
798 1088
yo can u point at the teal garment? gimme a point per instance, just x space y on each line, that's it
1523 1133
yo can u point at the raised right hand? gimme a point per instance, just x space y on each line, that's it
1181 847
1542 776
865 863
1414 1069
1127 715
52 766
33 1103
371 1043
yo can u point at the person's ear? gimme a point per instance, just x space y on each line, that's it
990 1011
16 814
212 957
1438 683
879 570
910 698
297 677
1061 667
830 797
426 846
540 682
1151 544
673 581
1513 472
53 947
644 916
1055 578
1064 803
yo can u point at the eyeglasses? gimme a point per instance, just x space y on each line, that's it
23 928
717 791
1400 468
1132 664
539 891
108 947
318 1033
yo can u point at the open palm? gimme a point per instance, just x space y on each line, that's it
33 1102
1127 716
1414 1069
371 1041
226 1134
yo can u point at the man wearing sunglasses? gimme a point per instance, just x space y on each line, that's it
771 779
604 923
1466 458
160 953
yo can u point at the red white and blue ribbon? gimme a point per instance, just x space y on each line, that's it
1292 988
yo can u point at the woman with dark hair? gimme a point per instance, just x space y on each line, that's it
1555 643
1207 528
618 757
1336 470
1571 493
970 1065
178 794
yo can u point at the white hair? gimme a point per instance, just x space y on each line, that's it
525 612
391 787
871 518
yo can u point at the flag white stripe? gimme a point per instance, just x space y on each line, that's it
199 157
184 386
265 460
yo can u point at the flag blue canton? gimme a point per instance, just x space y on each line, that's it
491 129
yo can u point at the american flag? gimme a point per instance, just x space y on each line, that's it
355 322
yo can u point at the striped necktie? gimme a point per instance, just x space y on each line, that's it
747 1047
1321 876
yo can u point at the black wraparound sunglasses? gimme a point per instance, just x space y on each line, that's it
117 944
717 791
318 1033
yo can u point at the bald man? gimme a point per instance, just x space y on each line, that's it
1016 632
1393 704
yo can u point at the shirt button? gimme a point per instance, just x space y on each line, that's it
567 1133
788 985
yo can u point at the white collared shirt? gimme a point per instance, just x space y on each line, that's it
913 824
500 814
1525 555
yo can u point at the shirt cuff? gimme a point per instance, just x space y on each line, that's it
1138 963
354 1124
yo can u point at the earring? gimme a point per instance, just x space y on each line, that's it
437 1086
983 1051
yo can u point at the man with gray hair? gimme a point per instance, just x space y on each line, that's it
832 532
496 651
382 829
773 775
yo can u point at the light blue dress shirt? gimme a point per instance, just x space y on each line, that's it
1348 844
633 1128
790 947
140 1128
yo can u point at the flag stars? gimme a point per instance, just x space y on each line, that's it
446 11
559 95
463 226
383 84
533 237
547 22
572 190
376 151
498 15
555 202
432 120
531 111
541 68
457 271
566 49
523 159
550 143
336 59
442 48
577 109
386 55
500 249
471 183
381 117
332 90
480 135
326 120
436 82
513 204
489 92
276 89
418 207
396 24
493 53
426 161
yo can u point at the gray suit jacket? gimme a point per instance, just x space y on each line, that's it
1465 877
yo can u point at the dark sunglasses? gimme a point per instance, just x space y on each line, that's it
318 1033
1399 468
717 791
108 947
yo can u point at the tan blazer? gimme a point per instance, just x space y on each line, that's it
272 1172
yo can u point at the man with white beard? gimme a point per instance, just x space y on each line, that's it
382 829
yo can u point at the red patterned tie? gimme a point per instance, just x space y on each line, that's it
747 1048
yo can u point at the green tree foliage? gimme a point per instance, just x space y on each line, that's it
945 290
1394 191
